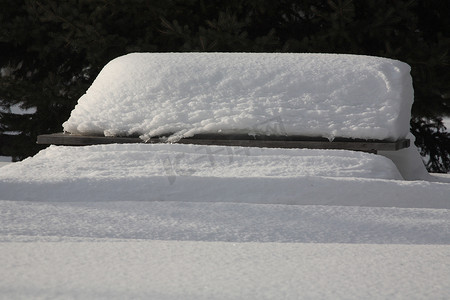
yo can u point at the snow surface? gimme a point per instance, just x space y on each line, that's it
96 222
5 160
409 162
182 94
217 270
175 172
170 221
118 161
446 122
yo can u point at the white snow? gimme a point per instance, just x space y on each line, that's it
446 122
409 162
92 221
218 270
119 161
172 221
182 94
173 250
5 160
17 109
173 172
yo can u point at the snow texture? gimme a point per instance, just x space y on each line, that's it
5 160
172 221
409 162
96 223
175 172
185 250
217 270
59 163
69 221
182 94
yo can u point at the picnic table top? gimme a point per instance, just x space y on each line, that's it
241 140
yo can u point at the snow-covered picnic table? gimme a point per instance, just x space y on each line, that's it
319 101
171 221
281 100
182 94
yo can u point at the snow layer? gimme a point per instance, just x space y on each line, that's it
182 94
185 250
96 222
174 172
215 270
5 160
94 230
63 221
409 162
60 163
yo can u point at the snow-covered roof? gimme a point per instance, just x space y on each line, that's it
182 94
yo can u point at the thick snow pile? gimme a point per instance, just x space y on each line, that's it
170 221
409 162
137 160
182 94
174 172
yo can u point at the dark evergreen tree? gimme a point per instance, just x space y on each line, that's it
50 51
432 132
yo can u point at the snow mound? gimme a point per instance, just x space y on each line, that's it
58 163
175 172
183 94
409 162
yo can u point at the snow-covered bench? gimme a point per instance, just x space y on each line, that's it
370 146
286 100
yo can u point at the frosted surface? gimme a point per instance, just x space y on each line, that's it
182 94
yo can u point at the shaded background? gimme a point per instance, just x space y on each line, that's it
50 52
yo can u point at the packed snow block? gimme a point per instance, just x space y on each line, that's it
180 95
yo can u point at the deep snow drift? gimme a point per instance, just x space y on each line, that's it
181 94
174 172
